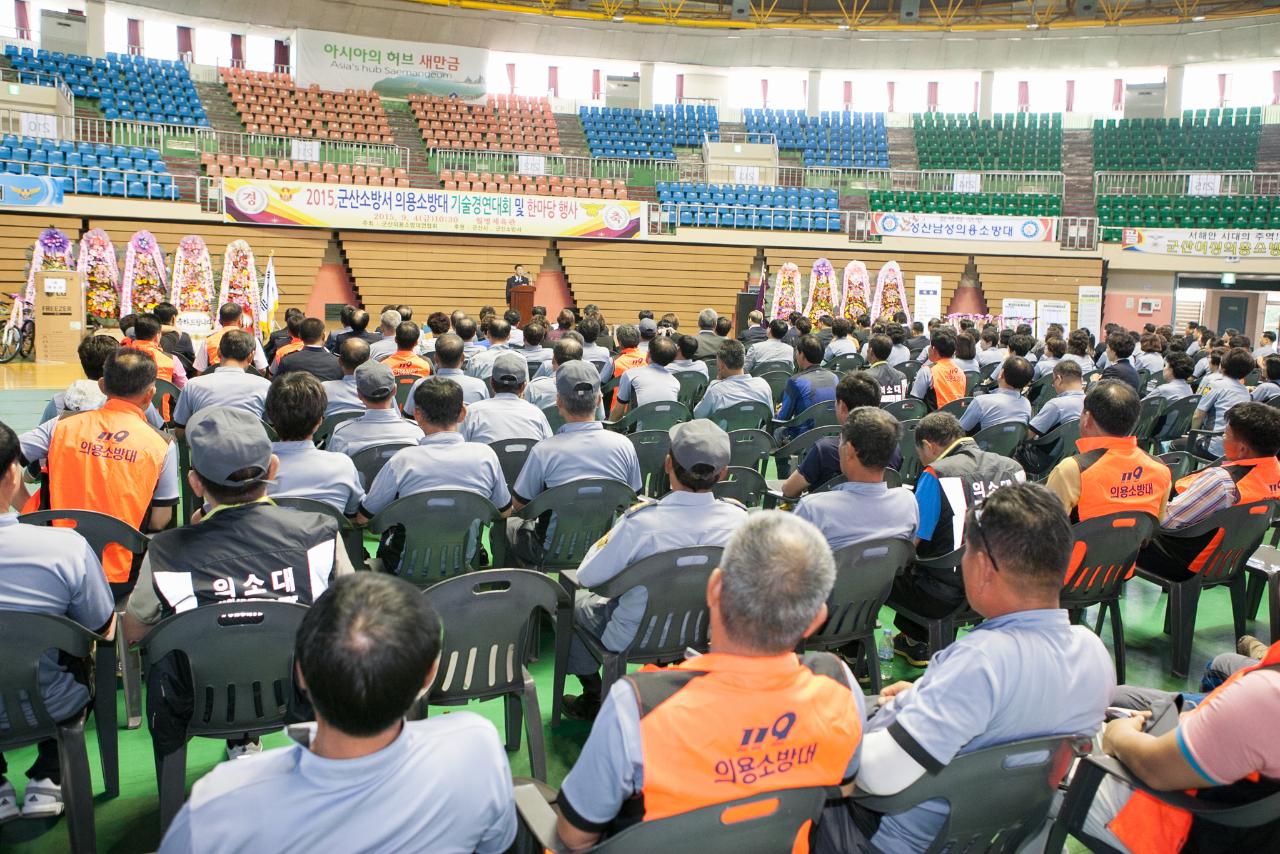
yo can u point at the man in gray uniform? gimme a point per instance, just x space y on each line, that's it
481 364
380 350
1006 403
689 515
774 349
295 408
341 394
651 383
590 329
230 385
732 385
541 392
506 415
382 423
449 355
532 349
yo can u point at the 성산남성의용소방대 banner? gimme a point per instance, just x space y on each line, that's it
1017 229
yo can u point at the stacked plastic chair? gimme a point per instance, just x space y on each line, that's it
1204 140
985 204
503 123
131 88
647 134
841 139
1023 142
271 103
534 185
92 169
750 206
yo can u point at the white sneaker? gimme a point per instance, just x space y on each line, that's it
8 803
43 799
240 751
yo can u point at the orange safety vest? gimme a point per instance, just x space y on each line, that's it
1117 477
405 362
627 360
211 345
781 722
164 362
1256 479
1147 825
108 460
294 345
948 382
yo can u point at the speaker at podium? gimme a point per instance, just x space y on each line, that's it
522 300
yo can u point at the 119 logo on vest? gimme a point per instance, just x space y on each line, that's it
118 436
779 730
1128 476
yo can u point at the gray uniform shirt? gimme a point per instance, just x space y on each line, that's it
1172 390
342 396
481 364
474 389
439 461
1216 404
771 350
375 427
504 416
1063 407
224 387
648 384
308 472
1001 405
738 388
380 350
853 513
579 450
840 347
697 367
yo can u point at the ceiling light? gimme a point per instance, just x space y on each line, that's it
1033 26
842 27
618 18
1197 19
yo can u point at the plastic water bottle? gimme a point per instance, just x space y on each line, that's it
886 648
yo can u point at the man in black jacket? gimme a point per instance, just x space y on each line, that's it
313 357
1119 349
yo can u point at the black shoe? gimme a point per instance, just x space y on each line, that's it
852 656
915 652
581 708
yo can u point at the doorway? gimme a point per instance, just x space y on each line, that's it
1233 313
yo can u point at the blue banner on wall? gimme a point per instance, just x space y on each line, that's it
29 190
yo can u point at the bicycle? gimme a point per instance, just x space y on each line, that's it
18 337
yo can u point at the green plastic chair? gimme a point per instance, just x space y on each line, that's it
443 530
745 485
352 537
652 448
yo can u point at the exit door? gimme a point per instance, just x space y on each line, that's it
1232 312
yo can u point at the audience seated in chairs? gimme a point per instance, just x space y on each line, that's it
773 348
1067 402
230 385
230 316
1006 403
810 385
732 385
441 784
343 395
87 393
295 409
823 462
507 415
689 360
381 423
450 352
650 383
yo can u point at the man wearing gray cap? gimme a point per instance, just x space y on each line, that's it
648 331
579 450
382 423
541 390
507 415
689 515
244 549
383 348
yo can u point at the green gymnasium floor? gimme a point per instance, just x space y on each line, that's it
128 823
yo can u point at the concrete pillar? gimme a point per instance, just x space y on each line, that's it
815 86
95 13
1173 91
646 85
986 85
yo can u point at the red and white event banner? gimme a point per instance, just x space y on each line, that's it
1203 243
410 209
1015 229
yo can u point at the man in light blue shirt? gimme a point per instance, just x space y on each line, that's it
383 348
651 383
1211 412
440 784
1006 403
449 355
381 423
731 384
230 385
531 346
773 349
1269 388
506 415
842 341
864 508
1066 405
342 394
1055 349
1177 370
295 408
481 364
688 349
1025 672
541 391
590 330
1268 347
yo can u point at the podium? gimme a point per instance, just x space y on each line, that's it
522 301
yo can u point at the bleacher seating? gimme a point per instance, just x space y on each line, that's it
757 207
647 134
1204 212
88 168
1014 141
1208 140
271 103
503 123
132 88
272 169
985 204
534 185
844 139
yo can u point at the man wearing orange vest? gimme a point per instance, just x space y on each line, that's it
1250 472
293 324
629 353
1227 748
749 717
111 460
1110 474
942 381
405 361
229 317
146 337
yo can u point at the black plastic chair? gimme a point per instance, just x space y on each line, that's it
1263 572
820 414
270 430
404 386
742 416
240 657
1040 391
943 630
769 821
512 454
25 637
745 485
957 406
675 616
692 386
910 468
352 537
1180 464
971 381
749 448
1221 564
908 409
442 532
1002 439
777 381
777 366
1148 417
101 531
371 460
165 399
1174 421
488 619
652 448
584 510
864 577
1093 771
1198 443
662 415
554 418
1040 455
908 369
998 798
1102 559
785 457
325 430
985 372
